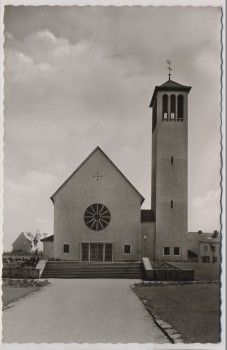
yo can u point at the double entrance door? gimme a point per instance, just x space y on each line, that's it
97 251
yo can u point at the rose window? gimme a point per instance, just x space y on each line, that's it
97 216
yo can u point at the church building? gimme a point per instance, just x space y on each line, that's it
97 211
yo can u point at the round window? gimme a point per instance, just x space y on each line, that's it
97 216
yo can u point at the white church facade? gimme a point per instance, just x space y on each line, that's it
97 211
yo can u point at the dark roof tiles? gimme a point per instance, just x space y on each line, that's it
171 86
48 239
147 215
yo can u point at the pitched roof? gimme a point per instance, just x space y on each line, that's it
80 166
172 84
48 239
23 234
147 215
169 85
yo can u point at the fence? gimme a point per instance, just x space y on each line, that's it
20 273
170 275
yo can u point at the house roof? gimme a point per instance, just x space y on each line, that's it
205 237
169 85
23 234
147 215
80 166
48 239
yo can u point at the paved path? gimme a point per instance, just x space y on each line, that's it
81 311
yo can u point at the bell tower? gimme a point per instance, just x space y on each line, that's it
169 199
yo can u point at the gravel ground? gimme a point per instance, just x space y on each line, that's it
81 311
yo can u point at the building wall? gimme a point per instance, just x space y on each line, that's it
82 190
48 249
171 183
154 170
22 243
193 243
148 244
206 251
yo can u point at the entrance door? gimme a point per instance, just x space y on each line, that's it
108 252
85 251
96 252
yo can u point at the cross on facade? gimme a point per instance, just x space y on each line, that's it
97 176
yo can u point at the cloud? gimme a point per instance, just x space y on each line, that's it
210 199
31 184
204 212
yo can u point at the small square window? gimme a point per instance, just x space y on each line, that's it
176 251
166 250
127 249
205 259
65 248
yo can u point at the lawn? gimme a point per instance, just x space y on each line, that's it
11 294
193 309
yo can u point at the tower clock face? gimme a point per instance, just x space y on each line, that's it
97 217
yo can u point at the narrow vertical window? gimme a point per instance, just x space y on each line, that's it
172 204
176 251
166 251
154 119
65 248
172 160
172 107
165 107
180 107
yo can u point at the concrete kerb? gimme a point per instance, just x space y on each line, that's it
173 336
27 296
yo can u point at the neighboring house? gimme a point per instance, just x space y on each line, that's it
22 244
204 247
48 247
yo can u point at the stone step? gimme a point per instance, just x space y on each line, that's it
62 263
95 269
73 269
95 277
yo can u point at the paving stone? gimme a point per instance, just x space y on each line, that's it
172 331
176 336
178 341
166 326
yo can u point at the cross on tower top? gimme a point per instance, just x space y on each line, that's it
169 68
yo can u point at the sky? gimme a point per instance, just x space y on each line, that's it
80 77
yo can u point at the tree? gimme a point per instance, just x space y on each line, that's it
35 239
215 234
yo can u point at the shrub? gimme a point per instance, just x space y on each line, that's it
39 283
11 282
25 282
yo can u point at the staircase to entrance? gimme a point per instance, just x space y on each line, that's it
74 269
